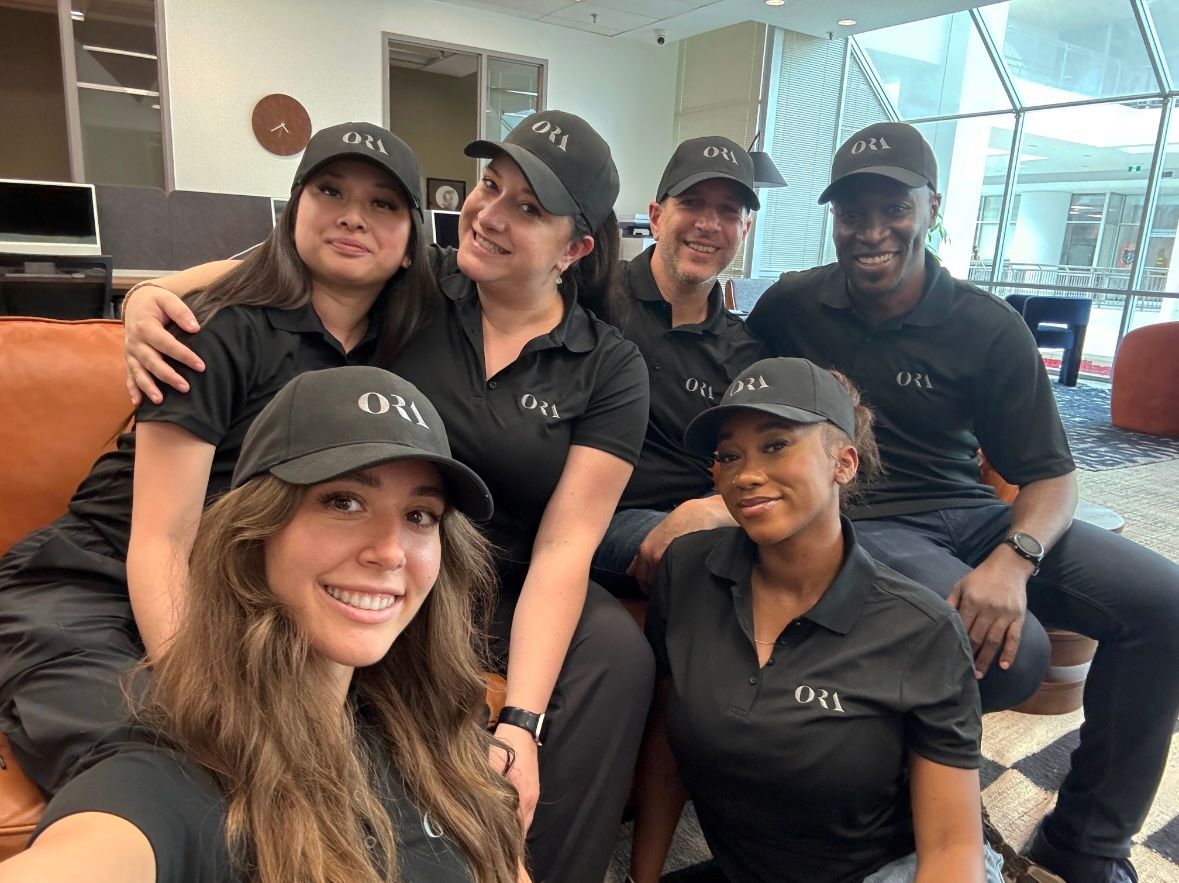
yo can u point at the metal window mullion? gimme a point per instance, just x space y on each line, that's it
765 120
69 77
773 70
1154 48
1149 202
868 69
1008 194
997 60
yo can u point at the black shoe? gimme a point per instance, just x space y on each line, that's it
1076 867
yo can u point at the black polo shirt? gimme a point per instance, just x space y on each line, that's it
580 384
181 811
250 353
959 372
798 770
690 367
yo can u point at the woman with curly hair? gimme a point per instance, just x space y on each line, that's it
317 716
819 709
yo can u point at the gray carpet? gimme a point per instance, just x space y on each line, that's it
1025 755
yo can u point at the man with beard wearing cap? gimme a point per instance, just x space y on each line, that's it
951 369
674 312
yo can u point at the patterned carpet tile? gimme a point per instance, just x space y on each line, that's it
1096 443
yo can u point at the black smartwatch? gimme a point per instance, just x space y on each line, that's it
1027 547
530 721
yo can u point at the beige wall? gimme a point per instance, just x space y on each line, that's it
435 115
32 107
223 55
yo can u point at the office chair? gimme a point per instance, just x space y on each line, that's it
62 287
1057 323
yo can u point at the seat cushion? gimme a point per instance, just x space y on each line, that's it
64 401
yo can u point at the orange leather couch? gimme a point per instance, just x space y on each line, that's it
63 402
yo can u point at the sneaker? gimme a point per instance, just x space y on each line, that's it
1076 867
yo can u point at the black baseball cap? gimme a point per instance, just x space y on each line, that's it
894 150
366 141
793 389
567 163
324 424
703 159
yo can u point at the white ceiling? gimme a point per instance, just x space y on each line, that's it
640 19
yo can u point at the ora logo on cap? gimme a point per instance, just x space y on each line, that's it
367 140
377 403
544 127
712 151
747 384
870 144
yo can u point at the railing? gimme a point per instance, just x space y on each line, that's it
1107 286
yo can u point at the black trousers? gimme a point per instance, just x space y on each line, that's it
595 723
67 642
1100 585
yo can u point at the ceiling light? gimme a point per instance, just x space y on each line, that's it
846 22
775 2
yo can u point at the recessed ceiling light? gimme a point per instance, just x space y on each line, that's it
775 2
846 22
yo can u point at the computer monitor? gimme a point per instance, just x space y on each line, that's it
48 217
444 228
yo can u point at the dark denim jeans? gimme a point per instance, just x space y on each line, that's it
1100 585
628 528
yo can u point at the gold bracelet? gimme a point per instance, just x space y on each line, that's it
134 288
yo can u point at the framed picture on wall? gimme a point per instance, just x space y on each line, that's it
445 194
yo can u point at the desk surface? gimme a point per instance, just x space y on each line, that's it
121 280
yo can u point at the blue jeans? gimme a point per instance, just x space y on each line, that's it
904 870
1098 584
628 528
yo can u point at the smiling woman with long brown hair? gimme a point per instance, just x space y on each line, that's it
318 715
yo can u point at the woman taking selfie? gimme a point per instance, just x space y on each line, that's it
315 717
341 279
821 711
550 405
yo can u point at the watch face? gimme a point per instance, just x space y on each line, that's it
1028 544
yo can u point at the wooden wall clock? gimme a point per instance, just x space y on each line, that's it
281 124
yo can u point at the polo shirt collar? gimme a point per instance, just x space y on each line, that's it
304 320
932 309
575 331
641 284
731 561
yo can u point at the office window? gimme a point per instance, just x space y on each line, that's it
935 67
1060 52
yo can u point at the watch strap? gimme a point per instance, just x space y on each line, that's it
530 721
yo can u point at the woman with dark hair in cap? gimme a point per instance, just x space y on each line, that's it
341 279
549 404
315 716
820 711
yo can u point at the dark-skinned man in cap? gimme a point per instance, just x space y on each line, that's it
951 369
